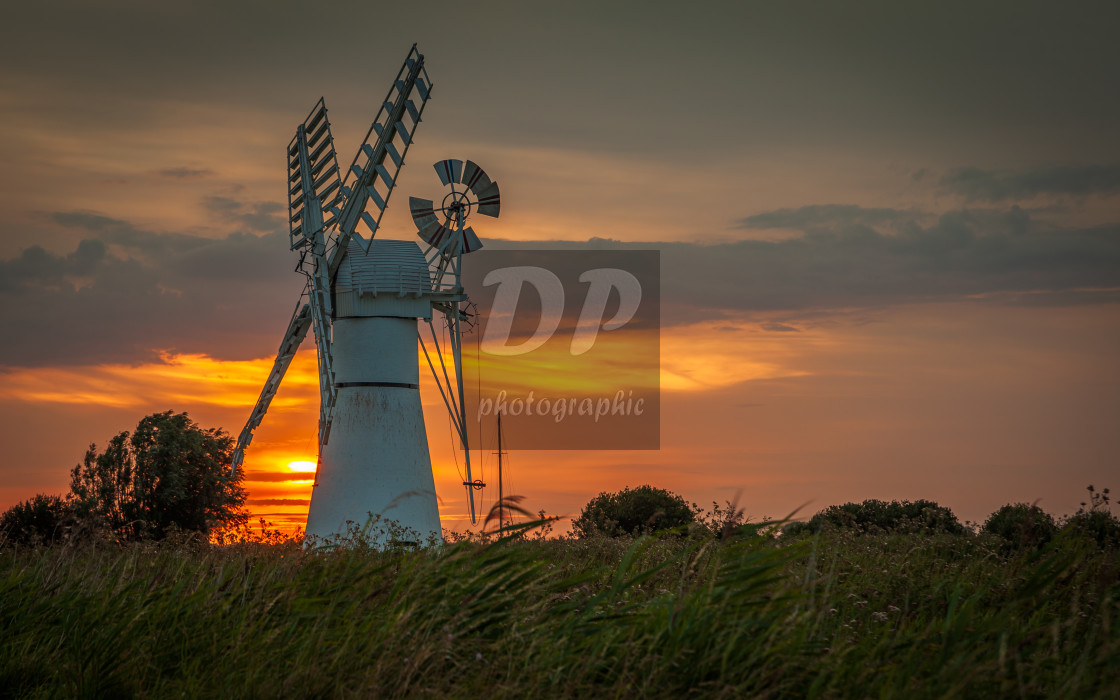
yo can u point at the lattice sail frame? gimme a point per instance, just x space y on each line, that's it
368 186
313 168
313 177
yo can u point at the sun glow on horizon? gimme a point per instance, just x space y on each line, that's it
279 475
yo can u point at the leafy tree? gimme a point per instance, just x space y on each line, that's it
633 512
39 520
168 474
896 516
1021 525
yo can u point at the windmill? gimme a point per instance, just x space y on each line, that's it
362 298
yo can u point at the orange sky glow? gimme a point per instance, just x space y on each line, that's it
738 401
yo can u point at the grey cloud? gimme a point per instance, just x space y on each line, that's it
90 221
89 253
123 233
221 205
240 256
831 215
263 216
255 216
260 217
182 173
746 71
228 298
996 186
43 268
1017 220
774 326
845 263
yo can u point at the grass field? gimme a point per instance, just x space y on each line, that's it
830 615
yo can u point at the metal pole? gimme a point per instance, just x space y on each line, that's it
501 500
457 349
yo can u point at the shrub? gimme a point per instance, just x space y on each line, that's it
39 520
793 529
1021 525
1100 526
633 512
723 520
897 516
1095 521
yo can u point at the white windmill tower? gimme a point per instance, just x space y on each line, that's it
363 297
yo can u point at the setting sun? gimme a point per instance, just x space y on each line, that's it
302 466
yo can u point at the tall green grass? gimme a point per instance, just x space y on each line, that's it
831 615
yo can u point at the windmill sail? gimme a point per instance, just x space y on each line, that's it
313 166
297 329
313 177
370 179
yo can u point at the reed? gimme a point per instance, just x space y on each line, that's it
732 614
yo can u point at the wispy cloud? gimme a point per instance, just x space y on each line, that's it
826 215
255 216
997 186
183 173
197 380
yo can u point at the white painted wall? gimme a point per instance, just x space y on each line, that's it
376 460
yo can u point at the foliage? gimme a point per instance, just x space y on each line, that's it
240 532
872 516
1100 526
1094 520
722 520
645 509
1023 526
797 528
39 520
1098 500
839 615
169 474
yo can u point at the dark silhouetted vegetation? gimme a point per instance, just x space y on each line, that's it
1095 521
40 520
884 603
644 509
168 475
840 614
874 516
1021 526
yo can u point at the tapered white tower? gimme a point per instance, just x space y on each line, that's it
376 463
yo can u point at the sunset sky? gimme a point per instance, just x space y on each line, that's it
889 232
